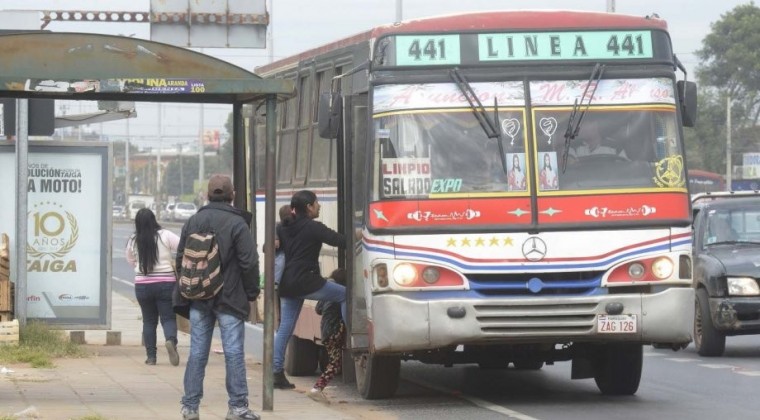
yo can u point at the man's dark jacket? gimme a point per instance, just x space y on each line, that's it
302 240
240 262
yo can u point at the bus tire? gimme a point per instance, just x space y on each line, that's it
301 357
617 368
708 341
377 377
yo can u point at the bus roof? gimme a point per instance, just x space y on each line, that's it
483 21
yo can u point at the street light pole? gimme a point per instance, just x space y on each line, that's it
181 172
201 169
728 144
126 170
158 165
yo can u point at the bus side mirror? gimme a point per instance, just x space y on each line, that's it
329 113
687 96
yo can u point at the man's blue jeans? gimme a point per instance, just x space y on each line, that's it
290 308
202 320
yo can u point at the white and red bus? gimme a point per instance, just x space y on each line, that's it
454 144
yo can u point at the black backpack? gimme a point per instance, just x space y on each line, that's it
199 277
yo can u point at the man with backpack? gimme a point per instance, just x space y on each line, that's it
218 272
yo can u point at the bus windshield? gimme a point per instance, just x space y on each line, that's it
428 141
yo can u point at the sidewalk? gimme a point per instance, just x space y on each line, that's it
114 383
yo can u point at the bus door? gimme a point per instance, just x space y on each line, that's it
352 199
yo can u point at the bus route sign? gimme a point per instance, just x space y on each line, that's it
431 49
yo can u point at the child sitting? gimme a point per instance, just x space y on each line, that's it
333 332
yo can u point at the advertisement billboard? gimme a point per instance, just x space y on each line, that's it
68 225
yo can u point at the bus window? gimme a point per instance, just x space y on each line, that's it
621 142
304 127
319 168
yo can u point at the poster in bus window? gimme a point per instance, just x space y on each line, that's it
404 177
547 175
516 174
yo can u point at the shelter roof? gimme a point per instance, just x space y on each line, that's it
106 67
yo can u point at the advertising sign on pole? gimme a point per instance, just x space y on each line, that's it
751 165
67 245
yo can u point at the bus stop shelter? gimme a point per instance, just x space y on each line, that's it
77 66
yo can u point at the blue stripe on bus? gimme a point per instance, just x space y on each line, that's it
519 266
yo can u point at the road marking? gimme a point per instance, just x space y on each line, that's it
748 373
681 360
128 283
710 366
247 324
474 400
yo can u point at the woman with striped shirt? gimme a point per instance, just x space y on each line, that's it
150 251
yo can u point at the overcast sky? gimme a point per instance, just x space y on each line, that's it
302 24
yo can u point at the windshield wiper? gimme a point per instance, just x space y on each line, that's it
575 120
492 129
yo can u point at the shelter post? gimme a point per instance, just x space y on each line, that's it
269 220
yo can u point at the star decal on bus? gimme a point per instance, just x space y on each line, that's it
507 241
480 242
494 241
518 212
451 242
466 242
550 211
380 216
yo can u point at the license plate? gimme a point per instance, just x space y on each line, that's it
616 324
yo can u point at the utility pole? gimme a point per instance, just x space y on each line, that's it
729 168
610 6
399 8
181 172
158 165
201 169
126 171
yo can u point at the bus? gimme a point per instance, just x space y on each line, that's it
450 151
703 181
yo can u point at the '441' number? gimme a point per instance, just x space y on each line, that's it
432 50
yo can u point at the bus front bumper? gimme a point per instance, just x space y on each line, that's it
400 324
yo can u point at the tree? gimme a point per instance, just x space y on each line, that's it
730 67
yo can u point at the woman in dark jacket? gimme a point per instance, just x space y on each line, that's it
301 238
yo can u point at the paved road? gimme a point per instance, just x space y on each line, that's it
674 385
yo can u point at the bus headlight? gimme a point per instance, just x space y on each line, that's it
742 286
404 274
662 268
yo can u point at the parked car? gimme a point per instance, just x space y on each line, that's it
183 211
726 268
119 212
167 213
134 207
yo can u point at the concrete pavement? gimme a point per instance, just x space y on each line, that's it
114 383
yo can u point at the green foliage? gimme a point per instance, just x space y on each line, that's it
729 68
38 345
731 62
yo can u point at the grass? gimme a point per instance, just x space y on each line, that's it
38 345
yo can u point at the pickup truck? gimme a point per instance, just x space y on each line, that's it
726 268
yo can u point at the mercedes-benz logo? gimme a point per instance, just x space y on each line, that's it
534 249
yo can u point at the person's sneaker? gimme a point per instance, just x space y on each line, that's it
171 347
189 413
318 396
150 361
241 413
281 382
